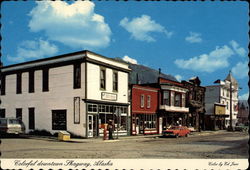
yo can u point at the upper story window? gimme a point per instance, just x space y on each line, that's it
142 100
166 98
31 82
3 77
45 79
19 83
77 76
177 101
115 81
148 101
102 79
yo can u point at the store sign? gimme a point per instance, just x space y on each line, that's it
109 96
220 110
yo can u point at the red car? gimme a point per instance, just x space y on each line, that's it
176 131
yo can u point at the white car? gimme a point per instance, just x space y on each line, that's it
11 126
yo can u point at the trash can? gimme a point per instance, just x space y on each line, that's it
64 136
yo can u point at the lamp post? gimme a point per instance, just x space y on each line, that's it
231 112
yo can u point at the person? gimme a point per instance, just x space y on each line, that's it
110 129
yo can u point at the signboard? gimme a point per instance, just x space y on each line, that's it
109 96
76 110
219 110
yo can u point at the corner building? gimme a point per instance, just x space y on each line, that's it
77 92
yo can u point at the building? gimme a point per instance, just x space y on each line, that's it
172 104
144 110
78 92
221 102
243 113
195 100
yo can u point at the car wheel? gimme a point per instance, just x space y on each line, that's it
177 135
186 135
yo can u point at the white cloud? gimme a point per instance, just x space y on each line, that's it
244 96
33 50
239 50
75 25
130 60
178 77
194 37
141 27
240 70
216 59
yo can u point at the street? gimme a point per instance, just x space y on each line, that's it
219 145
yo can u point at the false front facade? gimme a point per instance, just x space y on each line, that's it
77 92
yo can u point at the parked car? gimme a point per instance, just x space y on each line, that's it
176 131
11 126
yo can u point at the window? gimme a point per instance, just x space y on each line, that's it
166 97
103 79
115 81
59 120
2 113
92 108
77 75
227 105
177 101
148 101
150 121
142 100
31 82
19 113
31 118
18 83
45 80
3 77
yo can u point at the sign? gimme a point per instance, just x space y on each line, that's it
109 96
76 110
219 110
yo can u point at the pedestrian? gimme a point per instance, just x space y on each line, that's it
110 129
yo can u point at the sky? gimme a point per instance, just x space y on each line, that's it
184 39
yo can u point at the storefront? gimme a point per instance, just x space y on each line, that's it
98 116
144 124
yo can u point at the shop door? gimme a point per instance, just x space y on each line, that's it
90 126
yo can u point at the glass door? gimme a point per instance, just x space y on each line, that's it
90 126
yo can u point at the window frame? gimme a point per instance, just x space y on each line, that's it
142 98
163 99
56 127
77 75
31 81
175 99
19 83
45 80
32 115
103 80
115 81
148 101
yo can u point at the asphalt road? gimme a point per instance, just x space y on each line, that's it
219 145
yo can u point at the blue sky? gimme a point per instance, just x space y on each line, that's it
184 39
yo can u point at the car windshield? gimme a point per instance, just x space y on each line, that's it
14 121
3 121
174 127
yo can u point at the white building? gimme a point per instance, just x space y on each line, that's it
77 92
218 103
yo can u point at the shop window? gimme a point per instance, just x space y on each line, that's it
150 121
77 75
177 101
148 101
19 113
142 100
45 80
2 113
115 81
18 83
59 120
31 82
103 79
3 78
92 108
31 118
